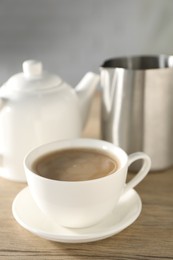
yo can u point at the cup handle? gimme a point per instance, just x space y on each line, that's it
140 175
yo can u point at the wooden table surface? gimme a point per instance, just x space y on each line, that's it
149 237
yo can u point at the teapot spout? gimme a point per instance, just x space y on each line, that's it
85 91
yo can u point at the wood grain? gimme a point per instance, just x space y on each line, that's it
150 237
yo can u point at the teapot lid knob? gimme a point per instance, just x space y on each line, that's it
32 68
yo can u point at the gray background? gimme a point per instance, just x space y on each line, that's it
72 37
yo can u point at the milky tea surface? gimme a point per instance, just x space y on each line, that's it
77 164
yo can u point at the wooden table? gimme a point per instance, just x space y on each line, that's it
149 237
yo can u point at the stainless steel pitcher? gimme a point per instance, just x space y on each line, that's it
137 106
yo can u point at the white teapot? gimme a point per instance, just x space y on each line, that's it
36 108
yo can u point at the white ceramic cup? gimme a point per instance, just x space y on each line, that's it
79 204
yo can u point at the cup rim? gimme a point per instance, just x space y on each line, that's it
30 157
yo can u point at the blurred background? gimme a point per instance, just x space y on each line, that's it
73 37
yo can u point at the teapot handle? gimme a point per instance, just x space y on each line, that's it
2 102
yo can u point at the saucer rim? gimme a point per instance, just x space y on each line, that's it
81 238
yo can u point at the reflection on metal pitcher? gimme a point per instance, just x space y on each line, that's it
137 106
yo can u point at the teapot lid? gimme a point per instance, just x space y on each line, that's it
33 78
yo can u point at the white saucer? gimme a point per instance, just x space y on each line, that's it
29 216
